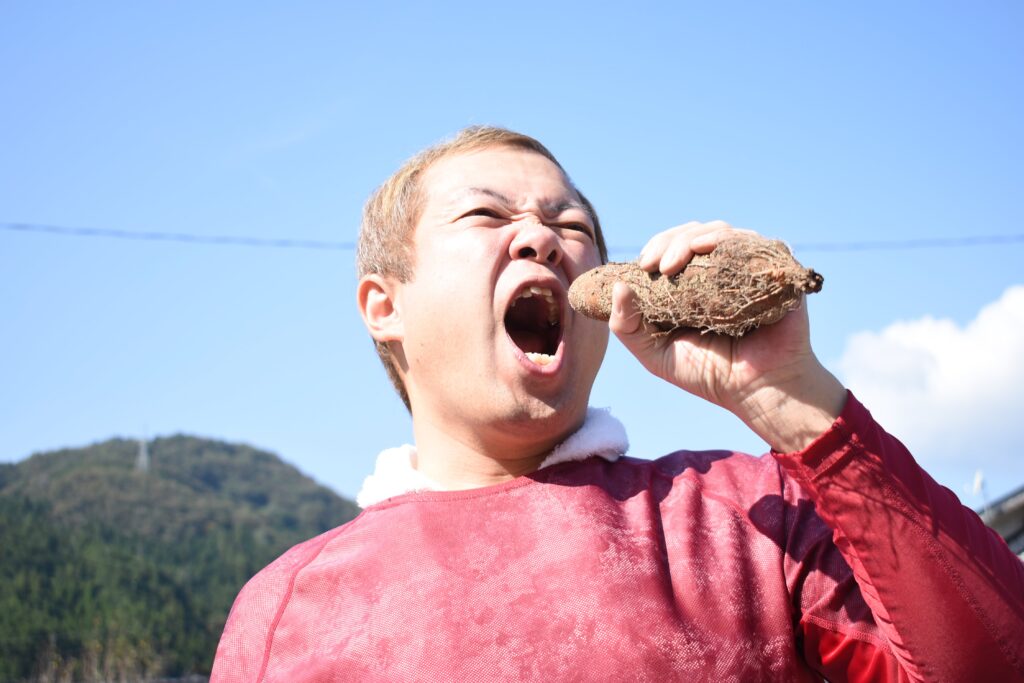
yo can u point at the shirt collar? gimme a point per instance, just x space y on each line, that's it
395 473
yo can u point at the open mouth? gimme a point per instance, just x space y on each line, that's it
534 324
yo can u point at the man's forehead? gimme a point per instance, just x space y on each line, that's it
568 201
483 174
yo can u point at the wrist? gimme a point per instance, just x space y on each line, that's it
793 408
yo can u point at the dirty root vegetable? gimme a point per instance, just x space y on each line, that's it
745 282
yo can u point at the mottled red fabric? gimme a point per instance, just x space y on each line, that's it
696 566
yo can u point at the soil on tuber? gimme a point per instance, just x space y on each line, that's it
745 282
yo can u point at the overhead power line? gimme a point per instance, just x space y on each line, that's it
290 243
913 243
890 245
233 240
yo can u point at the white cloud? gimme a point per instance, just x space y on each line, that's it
952 394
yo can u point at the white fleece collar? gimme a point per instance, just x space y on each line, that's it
601 435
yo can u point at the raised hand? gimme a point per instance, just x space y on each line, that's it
770 378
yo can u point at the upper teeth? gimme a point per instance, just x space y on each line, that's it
547 296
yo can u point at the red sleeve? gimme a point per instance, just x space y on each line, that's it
946 593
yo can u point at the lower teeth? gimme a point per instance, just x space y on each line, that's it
540 358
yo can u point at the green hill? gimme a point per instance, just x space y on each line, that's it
109 573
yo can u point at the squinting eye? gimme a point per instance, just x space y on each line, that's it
488 213
581 227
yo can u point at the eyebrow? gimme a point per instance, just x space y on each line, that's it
549 208
494 194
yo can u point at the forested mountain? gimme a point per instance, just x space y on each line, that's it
109 572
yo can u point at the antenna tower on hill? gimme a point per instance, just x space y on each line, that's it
142 459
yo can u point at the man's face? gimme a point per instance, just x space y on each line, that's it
492 346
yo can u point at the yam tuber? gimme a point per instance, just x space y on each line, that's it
745 282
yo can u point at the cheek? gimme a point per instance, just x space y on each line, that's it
592 342
596 335
584 255
450 317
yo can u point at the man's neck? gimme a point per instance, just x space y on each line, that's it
457 458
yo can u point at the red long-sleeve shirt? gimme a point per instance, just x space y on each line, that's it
844 560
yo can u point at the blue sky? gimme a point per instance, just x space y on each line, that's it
812 122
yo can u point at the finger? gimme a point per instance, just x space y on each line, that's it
670 250
706 242
717 226
681 250
636 335
626 318
650 255
628 324
675 257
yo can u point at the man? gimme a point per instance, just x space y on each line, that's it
515 542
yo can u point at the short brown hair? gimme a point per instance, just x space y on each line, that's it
391 213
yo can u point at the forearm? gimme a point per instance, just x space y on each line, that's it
793 407
945 590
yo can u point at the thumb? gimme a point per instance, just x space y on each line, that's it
625 318
628 324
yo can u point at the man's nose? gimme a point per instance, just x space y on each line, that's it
537 242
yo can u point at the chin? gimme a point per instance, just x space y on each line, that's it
544 422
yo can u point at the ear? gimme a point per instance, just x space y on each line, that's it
376 299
